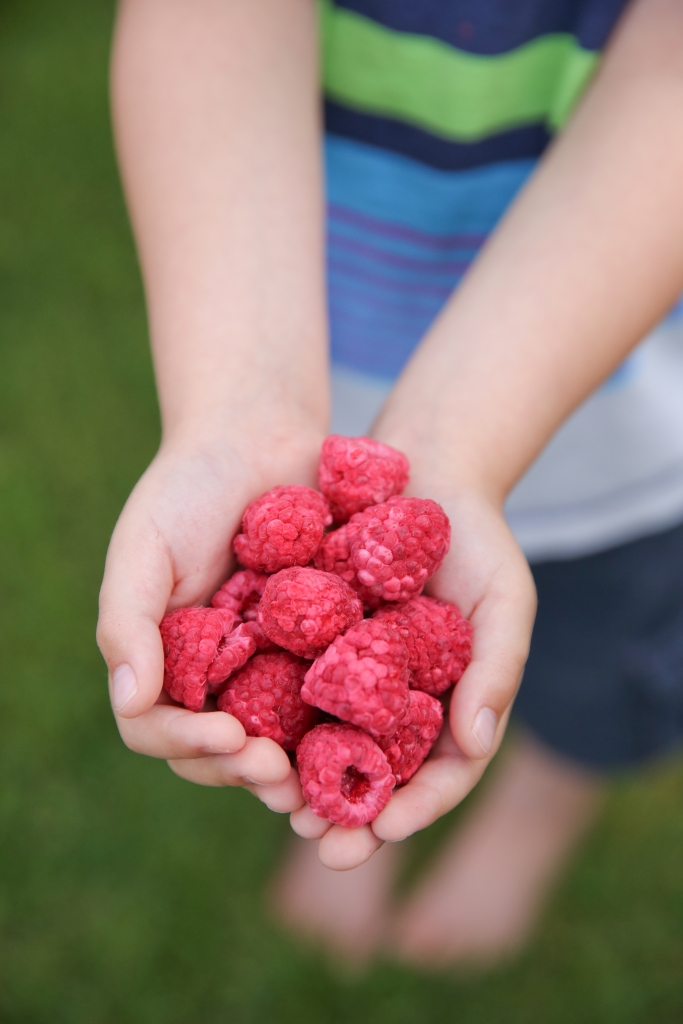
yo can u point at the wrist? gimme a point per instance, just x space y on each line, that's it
278 446
443 467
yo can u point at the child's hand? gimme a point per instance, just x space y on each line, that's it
487 576
171 547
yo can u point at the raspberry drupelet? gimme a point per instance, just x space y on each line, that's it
333 555
408 747
395 547
241 594
192 640
362 678
266 698
303 609
438 638
283 527
356 472
344 775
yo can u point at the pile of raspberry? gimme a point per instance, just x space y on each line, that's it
323 640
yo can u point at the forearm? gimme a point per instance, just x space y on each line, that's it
587 260
217 125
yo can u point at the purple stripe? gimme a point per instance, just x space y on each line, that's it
344 299
372 341
392 284
365 348
391 230
390 259
409 336
377 321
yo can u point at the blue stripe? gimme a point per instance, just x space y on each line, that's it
400 137
400 237
403 192
491 27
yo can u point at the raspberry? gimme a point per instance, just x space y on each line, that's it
356 472
266 697
344 775
438 638
241 594
303 609
263 643
407 748
362 678
281 528
333 556
395 547
192 638
234 651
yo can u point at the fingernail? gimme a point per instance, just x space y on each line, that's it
252 781
485 725
124 686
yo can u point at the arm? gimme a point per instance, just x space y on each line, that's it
216 120
587 260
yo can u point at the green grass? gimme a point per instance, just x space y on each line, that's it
125 894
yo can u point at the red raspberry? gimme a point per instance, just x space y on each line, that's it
234 651
281 528
192 638
396 546
266 697
333 556
344 775
407 748
303 609
241 594
263 643
362 678
356 472
438 638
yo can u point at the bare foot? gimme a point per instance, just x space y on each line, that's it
345 910
482 898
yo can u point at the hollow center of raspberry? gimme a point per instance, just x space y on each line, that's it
354 785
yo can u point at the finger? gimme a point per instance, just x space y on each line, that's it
343 848
138 580
502 626
260 760
283 797
436 788
307 824
171 732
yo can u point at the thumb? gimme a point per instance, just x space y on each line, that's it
138 580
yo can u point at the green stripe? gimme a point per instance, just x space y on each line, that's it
460 96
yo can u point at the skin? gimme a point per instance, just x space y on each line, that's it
217 124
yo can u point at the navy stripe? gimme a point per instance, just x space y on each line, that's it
490 27
399 137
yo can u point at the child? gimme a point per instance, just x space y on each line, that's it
437 114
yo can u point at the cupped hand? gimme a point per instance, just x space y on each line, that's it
171 547
487 576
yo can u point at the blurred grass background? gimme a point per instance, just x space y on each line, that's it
125 894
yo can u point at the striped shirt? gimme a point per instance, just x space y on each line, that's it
436 113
